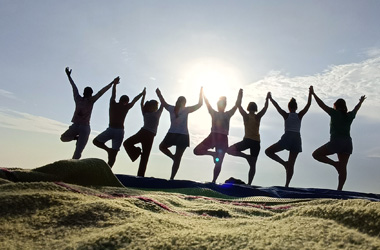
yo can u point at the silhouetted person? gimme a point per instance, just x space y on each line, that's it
340 139
291 140
151 114
80 129
218 138
251 138
115 131
178 134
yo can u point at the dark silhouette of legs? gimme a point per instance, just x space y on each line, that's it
177 160
321 153
289 167
146 148
271 153
218 164
164 148
251 161
110 152
252 168
129 145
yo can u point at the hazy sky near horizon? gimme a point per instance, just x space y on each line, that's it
178 46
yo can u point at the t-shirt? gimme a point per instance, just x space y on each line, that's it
251 127
340 123
178 125
151 120
293 123
83 110
117 113
221 121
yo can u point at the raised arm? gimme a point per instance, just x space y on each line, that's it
143 100
306 108
265 108
279 109
162 100
319 101
237 103
75 89
113 96
209 108
136 98
199 104
104 89
357 107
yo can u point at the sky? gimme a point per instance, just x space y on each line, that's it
178 46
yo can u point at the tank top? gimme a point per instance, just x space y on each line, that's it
293 123
251 127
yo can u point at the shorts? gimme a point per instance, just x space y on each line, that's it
174 139
114 134
215 140
247 143
291 141
340 145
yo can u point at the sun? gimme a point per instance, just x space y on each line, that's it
217 79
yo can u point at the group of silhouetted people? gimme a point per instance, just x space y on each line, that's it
216 143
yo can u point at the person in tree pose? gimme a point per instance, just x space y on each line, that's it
80 129
151 114
218 138
340 139
291 140
178 134
251 138
115 130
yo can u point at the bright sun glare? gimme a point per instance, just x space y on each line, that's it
217 78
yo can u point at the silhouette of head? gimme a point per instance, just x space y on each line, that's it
222 103
340 105
181 102
252 107
124 99
87 92
292 105
150 106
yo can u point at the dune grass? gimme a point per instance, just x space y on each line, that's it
47 215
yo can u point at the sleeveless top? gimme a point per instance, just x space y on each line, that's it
293 123
251 127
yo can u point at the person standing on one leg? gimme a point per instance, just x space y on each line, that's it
251 139
218 137
80 129
115 130
145 136
340 139
178 134
291 140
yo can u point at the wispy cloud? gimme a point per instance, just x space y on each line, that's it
348 81
27 122
7 94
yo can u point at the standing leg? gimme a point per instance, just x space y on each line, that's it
342 169
177 160
289 166
146 148
112 156
252 168
218 163
84 133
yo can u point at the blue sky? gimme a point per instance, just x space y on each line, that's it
260 46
